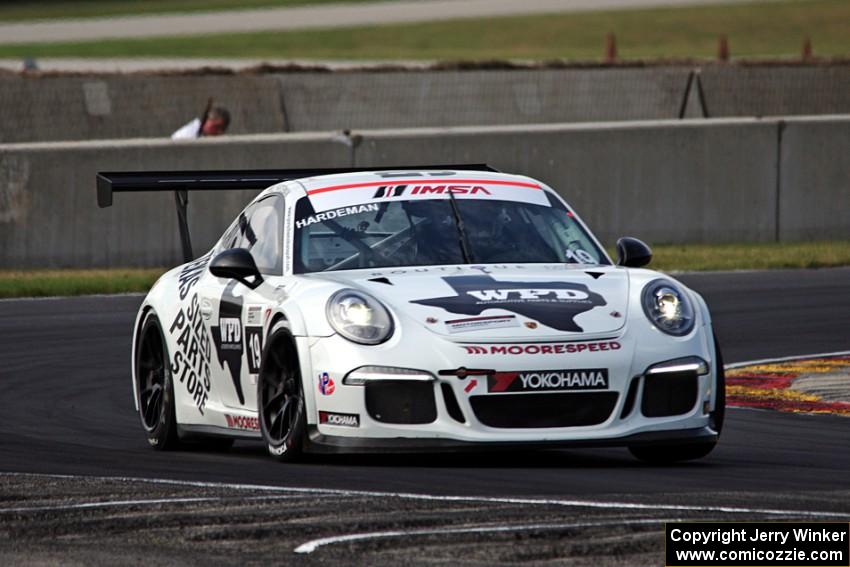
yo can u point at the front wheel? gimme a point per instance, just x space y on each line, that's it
280 396
154 386
666 454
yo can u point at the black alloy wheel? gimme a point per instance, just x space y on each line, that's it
156 397
281 398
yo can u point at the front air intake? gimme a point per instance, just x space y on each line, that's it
543 410
451 403
669 394
401 401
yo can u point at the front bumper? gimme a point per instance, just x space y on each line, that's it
625 423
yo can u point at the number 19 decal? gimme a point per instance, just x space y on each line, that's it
254 342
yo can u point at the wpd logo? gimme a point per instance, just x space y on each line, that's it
555 304
326 384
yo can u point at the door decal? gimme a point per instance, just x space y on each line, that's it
227 336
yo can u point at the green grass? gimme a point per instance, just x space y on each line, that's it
754 30
13 11
751 256
667 257
45 283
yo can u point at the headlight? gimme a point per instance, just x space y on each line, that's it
668 307
359 317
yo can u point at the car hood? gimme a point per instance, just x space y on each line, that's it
526 302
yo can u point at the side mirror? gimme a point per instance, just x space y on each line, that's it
237 264
633 253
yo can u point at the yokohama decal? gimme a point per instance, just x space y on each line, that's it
536 380
552 348
343 419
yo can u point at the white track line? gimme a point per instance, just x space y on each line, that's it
787 359
135 503
596 504
312 545
107 504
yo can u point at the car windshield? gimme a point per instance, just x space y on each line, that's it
426 232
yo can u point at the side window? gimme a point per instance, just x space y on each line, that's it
264 237
231 237
258 229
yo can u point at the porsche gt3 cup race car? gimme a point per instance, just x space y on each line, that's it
420 309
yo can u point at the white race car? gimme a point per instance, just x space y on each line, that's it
422 309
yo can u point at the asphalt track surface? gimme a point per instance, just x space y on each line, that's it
306 17
66 408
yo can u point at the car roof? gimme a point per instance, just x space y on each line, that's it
346 189
394 175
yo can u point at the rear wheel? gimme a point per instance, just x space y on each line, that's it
280 396
665 454
154 386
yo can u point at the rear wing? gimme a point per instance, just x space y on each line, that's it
181 182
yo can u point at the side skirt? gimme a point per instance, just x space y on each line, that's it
206 431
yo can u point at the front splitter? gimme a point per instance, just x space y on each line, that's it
328 444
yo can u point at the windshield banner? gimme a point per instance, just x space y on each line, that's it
325 197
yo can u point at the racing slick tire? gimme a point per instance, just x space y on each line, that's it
280 396
666 454
155 386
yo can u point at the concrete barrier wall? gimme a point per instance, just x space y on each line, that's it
668 181
336 101
665 182
48 211
129 106
814 189
776 90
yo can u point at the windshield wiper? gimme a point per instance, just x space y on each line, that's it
461 233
